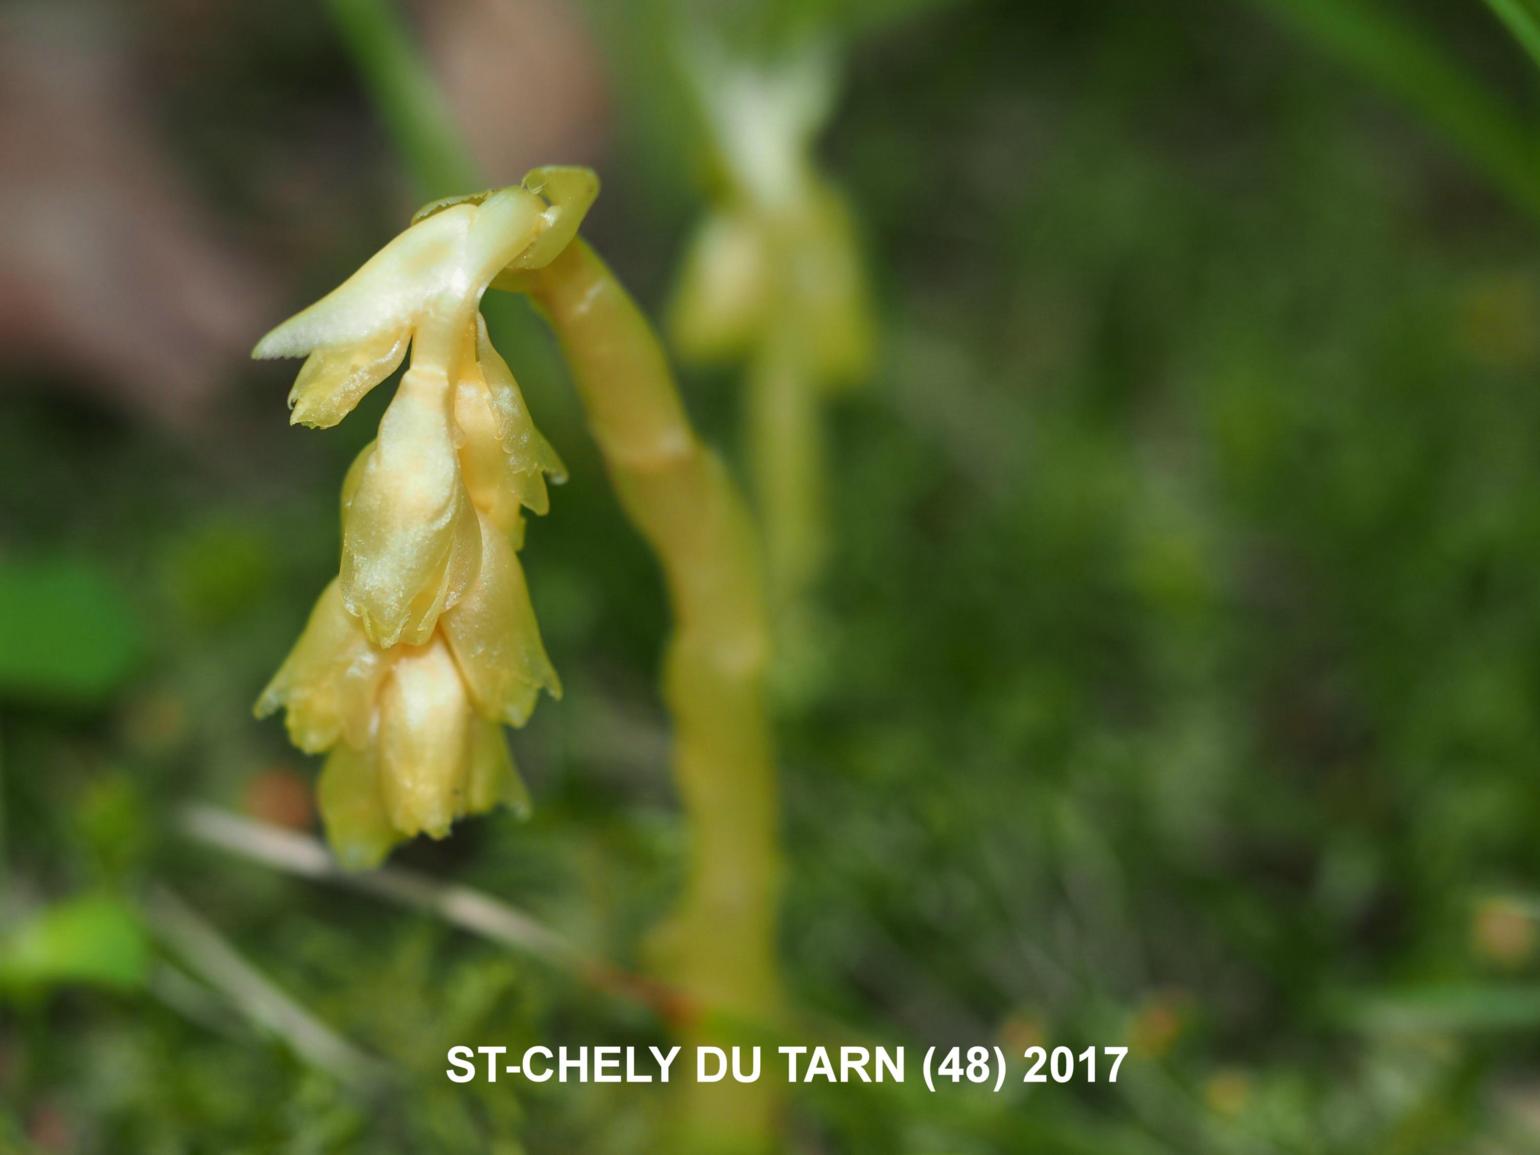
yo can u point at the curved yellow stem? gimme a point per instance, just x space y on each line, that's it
720 944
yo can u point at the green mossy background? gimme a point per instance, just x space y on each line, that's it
1178 661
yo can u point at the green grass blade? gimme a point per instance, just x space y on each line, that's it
406 96
1411 65
1522 18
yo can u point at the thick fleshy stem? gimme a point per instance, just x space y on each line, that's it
719 947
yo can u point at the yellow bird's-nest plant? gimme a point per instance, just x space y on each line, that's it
425 645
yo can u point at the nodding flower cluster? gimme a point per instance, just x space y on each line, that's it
775 263
425 645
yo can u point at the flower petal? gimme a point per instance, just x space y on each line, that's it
424 742
493 487
387 293
353 809
329 681
335 378
529 454
495 638
503 458
493 779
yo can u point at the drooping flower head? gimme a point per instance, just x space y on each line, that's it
426 644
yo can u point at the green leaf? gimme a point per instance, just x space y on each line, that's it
92 941
67 632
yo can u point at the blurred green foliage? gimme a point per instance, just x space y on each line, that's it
1522 18
1182 643
67 632
95 941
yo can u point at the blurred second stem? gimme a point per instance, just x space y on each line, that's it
786 453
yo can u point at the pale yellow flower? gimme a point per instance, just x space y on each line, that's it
424 285
414 731
753 270
426 644
363 827
776 260
410 542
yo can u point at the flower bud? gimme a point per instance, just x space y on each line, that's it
352 808
494 637
424 741
410 545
